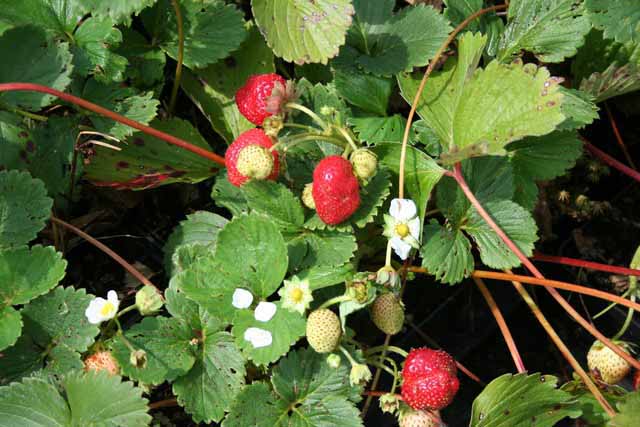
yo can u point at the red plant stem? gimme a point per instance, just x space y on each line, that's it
458 176
9 87
164 403
559 285
504 328
611 161
590 265
117 258
618 136
566 353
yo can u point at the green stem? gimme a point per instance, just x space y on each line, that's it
309 129
348 356
347 137
122 337
335 300
610 306
176 81
627 322
383 348
383 367
23 113
126 310
308 112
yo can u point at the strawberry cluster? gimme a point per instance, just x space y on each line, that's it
429 379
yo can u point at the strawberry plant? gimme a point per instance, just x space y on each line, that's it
301 187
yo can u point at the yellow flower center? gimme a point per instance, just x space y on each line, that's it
402 230
107 309
296 295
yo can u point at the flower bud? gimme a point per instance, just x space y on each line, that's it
334 361
148 301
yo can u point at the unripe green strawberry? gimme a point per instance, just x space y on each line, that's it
323 330
610 367
364 163
307 196
255 162
102 361
387 313
413 418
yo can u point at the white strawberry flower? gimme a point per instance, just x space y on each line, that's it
101 309
258 337
402 227
242 298
265 311
295 295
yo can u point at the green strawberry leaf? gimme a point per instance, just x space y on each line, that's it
87 393
168 348
27 273
515 400
303 380
541 158
250 254
256 405
385 44
38 60
579 108
551 29
211 386
226 195
372 196
515 221
213 89
55 332
10 327
489 23
629 411
620 19
375 130
324 247
200 228
606 69
322 277
421 173
326 102
14 137
460 106
147 162
446 253
122 100
212 29
303 32
285 327
81 402
146 64
276 201
92 51
193 315
24 208
58 319
119 10
368 92
58 17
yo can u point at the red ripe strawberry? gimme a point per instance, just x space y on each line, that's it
253 98
429 379
336 192
256 161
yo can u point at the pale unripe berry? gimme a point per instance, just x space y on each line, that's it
364 163
323 330
255 162
610 367
307 196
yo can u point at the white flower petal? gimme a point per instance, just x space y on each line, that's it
258 337
414 228
265 311
403 209
242 298
400 247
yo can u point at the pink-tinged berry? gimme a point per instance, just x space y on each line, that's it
336 191
102 361
254 99
250 157
429 379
